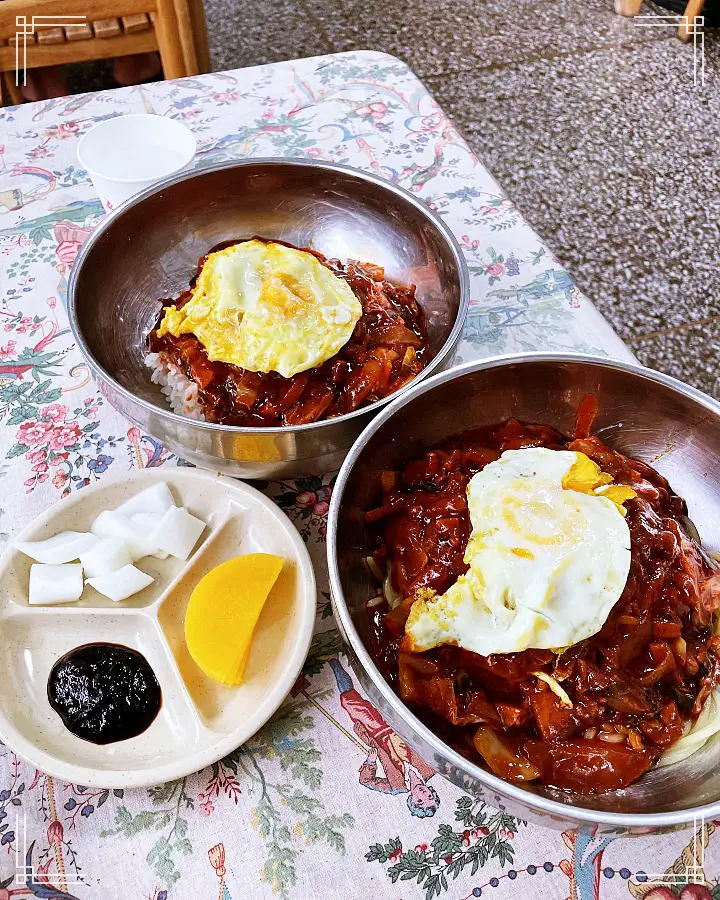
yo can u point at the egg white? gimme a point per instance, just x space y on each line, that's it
547 563
266 307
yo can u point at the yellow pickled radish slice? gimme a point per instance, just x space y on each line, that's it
223 612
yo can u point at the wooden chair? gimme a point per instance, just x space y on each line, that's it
176 28
694 8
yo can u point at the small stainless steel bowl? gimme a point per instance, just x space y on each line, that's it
642 413
149 248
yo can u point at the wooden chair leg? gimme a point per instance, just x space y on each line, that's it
168 40
185 33
628 8
199 30
694 8
13 90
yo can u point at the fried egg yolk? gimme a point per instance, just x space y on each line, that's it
266 307
549 555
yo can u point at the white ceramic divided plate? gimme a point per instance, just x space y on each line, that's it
200 720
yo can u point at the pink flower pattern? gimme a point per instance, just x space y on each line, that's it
65 435
55 412
34 433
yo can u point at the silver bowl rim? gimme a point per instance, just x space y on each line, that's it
186 175
342 613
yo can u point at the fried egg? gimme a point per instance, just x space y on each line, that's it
549 555
266 307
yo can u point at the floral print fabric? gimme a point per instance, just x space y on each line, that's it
325 794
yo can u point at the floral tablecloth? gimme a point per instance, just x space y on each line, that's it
321 799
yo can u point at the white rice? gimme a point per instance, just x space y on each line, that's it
180 393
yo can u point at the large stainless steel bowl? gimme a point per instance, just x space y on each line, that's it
642 413
149 247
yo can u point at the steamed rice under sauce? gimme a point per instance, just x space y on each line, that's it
388 347
180 392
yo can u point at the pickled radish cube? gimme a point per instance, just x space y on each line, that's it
50 584
112 524
155 499
177 532
146 522
108 555
121 584
62 548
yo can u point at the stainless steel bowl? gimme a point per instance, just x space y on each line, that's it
149 247
643 414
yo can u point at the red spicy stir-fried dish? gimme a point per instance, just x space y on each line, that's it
388 347
634 687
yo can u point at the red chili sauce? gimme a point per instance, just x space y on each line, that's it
633 685
388 348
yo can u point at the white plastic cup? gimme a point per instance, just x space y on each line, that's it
127 154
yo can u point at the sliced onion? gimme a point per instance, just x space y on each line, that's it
503 759
374 568
121 584
394 334
50 584
391 595
61 548
555 687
